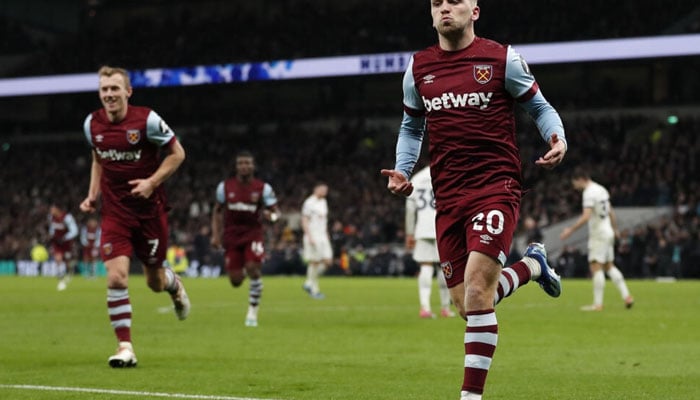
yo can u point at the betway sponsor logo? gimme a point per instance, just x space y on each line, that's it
240 206
116 155
451 100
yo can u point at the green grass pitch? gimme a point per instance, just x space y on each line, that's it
364 341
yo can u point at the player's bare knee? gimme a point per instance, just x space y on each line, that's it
236 278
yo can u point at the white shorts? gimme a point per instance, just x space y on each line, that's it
426 251
601 251
321 250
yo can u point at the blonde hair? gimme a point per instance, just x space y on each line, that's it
108 71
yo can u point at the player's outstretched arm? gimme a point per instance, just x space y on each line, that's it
555 155
583 219
398 184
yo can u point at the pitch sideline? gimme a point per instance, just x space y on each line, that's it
125 392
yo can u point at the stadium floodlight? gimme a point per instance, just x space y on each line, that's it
369 64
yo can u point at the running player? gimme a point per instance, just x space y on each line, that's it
128 172
465 88
241 203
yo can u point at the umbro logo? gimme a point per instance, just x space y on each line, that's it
428 78
99 138
485 239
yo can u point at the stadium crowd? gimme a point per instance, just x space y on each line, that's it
657 168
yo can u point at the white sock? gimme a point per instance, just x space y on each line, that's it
619 281
598 287
444 291
170 282
309 275
425 283
252 312
312 272
534 266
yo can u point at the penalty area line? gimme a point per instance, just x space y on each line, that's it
125 392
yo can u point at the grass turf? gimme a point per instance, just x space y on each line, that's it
364 341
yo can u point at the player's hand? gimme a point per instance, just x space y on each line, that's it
565 233
410 242
555 155
89 205
271 216
311 241
398 184
143 188
215 243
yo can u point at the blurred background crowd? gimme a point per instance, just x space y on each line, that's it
634 123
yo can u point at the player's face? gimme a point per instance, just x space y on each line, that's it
244 166
453 17
321 190
578 184
114 94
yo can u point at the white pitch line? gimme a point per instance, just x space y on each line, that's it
125 392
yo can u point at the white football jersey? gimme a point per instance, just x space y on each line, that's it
316 210
597 198
422 202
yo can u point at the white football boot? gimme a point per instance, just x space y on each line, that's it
180 300
124 358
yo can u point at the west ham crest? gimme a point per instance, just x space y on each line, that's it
107 248
483 73
133 136
446 269
254 197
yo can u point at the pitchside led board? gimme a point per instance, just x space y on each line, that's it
546 53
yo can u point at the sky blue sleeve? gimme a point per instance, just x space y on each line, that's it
412 127
72 227
269 197
411 97
521 84
546 117
86 129
220 197
409 144
157 130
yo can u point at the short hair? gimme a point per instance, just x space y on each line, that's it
244 154
108 71
580 173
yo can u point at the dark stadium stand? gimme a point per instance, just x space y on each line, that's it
342 130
